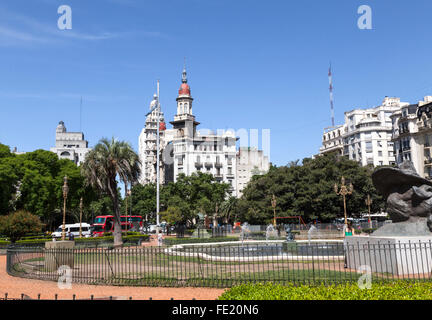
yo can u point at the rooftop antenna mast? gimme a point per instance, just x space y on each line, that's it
80 114
331 95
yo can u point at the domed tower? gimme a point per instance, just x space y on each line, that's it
184 121
184 99
61 127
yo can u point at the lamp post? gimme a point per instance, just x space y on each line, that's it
65 193
344 191
129 193
81 211
368 202
157 160
273 203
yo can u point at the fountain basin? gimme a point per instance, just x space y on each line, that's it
256 250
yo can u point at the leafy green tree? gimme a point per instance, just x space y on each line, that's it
307 190
199 192
108 161
172 215
143 200
5 151
9 184
228 208
18 224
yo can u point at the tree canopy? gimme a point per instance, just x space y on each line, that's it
307 190
199 192
33 181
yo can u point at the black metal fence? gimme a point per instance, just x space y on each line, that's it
225 265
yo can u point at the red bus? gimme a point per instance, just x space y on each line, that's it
103 224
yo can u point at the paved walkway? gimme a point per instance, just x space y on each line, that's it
14 287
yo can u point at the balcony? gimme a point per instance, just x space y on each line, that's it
198 164
208 164
218 164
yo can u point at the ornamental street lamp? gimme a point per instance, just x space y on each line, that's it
65 194
81 211
344 191
368 202
273 202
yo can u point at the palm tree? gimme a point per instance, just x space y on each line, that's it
228 207
107 161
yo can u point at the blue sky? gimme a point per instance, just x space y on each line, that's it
251 64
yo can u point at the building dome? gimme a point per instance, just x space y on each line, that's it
61 127
184 89
153 103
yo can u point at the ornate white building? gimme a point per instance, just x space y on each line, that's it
184 149
366 135
147 144
332 140
70 145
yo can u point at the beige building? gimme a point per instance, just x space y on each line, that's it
70 145
250 162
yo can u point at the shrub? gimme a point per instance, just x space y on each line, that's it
398 290
18 224
97 240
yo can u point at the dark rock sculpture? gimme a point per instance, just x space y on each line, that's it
409 200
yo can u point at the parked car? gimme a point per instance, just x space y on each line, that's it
152 228
74 229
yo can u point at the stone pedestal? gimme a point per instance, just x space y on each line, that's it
59 253
201 233
395 255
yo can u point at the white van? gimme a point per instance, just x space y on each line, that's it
74 229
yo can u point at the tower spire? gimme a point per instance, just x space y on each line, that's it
184 74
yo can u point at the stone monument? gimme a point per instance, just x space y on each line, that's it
200 231
404 246
59 253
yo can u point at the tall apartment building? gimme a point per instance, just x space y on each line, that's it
70 145
412 136
147 143
366 134
250 162
332 140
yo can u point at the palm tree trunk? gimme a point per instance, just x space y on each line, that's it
118 242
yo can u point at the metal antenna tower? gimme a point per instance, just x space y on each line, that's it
331 95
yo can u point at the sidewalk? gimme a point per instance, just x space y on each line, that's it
14 287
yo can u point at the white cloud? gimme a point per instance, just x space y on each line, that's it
17 29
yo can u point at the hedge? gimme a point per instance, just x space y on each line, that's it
128 238
397 290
